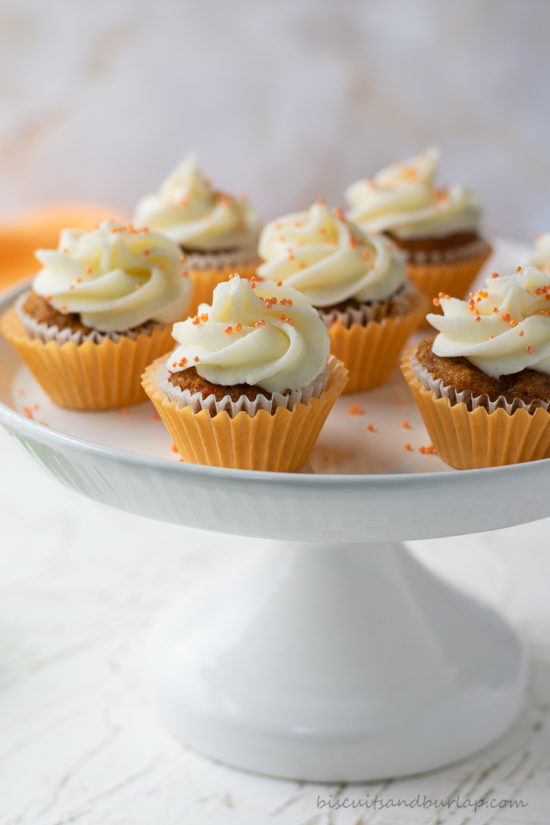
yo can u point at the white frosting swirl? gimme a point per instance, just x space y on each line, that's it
115 277
192 214
402 199
267 336
502 329
541 255
329 259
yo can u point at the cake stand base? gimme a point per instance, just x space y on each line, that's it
333 662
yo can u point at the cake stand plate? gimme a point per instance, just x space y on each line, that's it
330 653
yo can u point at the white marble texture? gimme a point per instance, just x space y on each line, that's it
286 100
81 583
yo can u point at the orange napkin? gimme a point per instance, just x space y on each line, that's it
39 229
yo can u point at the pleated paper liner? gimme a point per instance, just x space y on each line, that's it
371 351
280 441
470 439
451 277
88 376
204 282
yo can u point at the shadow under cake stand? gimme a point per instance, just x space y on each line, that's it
330 653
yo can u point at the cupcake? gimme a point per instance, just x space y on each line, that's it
216 232
541 254
437 228
100 309
249 384
355 280
483 383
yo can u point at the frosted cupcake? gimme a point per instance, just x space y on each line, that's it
356 281
437 228
483 383
217 233
250 382
100 309
541 255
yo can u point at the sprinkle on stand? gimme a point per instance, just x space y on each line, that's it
355 409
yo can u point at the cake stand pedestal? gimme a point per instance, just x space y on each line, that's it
333 662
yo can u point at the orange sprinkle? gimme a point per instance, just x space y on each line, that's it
521 332
27 412
477 318
529 349
506 316
63 308
228 330
79 280
405 425
513 323
238 327
65 251
173 447
125 411
436 302
44 423
148 252
352 244
35 406
494 275
182 362
365 254
260 323
370 428
320 202
204 317
196 359
496 310
429 449
322 231
490 338
355 409
183 258
138 286
518 268
88 270
196 321
160 266
409 448
279 283
155 416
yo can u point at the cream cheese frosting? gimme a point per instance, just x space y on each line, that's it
403 199
541 255
189 211
262 335
329 259
501 329
115 277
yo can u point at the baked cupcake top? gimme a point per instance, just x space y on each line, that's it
403 200
541 255
114 277
501 329
189 211
257 334
329 259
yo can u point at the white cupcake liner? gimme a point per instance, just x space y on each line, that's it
268 402
442 256
369 311
50 332
441 390
230 259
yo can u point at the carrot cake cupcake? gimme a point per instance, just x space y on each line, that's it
250 382
483 383
100 309
436 227
356 281
216 232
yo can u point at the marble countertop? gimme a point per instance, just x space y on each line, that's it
78 741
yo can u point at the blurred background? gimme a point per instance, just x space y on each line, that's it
285 100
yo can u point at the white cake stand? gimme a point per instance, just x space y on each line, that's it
331 654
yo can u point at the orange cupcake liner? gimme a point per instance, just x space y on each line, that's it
204 282
453 278
279 441
371 351
470 439
88 376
